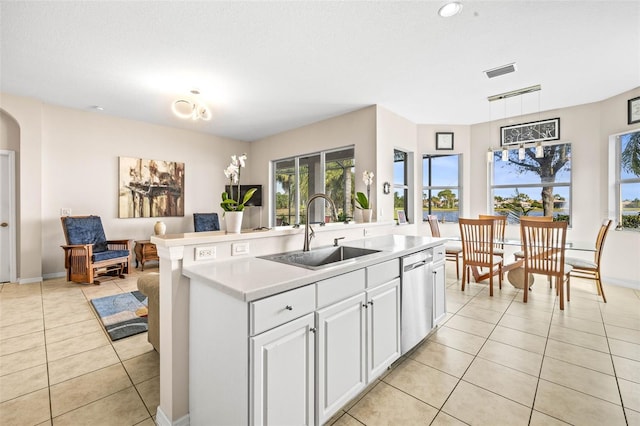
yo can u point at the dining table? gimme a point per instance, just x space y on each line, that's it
569 245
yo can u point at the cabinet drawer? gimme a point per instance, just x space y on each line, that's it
382 272
339 288
438 253
275 310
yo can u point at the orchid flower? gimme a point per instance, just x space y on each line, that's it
367 178
232 172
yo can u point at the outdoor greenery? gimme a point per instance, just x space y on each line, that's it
339 186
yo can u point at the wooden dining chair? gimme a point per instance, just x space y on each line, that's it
544 248
520 254
499 225
477 249
587 269
453 250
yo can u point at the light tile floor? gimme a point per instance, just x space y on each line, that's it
492 361
58 366
498 361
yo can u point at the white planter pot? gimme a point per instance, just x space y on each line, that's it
233 222
367 215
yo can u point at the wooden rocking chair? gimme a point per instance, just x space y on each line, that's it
88 254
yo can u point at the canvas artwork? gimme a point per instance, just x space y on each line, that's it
150 188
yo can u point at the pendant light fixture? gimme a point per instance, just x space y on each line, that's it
521 153
489 155
505 154
539 150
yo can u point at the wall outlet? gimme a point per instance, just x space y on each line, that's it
239 249
203 253
65 211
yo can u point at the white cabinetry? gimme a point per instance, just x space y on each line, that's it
358 338
341 354
283 374
439 285
383 327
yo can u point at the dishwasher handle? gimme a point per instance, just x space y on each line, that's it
415 266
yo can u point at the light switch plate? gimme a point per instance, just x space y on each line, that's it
65 211
239 249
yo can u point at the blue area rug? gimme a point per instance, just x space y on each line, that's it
122 315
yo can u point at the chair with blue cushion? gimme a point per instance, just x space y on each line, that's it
203 222
88 254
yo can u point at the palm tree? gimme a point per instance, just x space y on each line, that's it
630 157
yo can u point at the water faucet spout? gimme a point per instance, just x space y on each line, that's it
307 237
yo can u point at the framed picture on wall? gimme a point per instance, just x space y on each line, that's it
444 141
633 110
402 217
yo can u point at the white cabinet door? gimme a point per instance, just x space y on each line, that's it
341 354
282 379
439 293
383 327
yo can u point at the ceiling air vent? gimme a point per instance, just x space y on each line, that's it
501 70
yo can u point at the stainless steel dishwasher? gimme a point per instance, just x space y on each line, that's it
417 298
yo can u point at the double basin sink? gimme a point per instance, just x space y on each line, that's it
321 257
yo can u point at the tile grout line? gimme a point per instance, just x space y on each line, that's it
613 365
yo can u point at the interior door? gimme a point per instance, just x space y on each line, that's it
7 217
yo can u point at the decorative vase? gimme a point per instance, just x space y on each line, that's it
159 228
367 215
233 222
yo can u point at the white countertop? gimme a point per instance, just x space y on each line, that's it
251 278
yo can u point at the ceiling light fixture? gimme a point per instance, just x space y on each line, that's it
539 150
515 93
193 110
521 153
505 154
450 9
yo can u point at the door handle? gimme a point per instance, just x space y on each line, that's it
4 224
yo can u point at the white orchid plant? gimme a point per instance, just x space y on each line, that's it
232 172
364 200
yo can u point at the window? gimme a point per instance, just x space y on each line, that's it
440 187
628 180
400 183
533 186
294 179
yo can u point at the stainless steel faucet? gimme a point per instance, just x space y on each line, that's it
307 238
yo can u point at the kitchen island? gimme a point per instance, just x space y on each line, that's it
273 343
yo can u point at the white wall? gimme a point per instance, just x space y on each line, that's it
69 158
394 131
79 170
587 127
356 128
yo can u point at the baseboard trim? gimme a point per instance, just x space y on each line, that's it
54 275
30 280
163 420
621 283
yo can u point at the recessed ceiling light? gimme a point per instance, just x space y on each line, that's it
450 9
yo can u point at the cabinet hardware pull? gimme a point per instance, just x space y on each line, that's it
289 308
370 302
4 224
364 305
312 329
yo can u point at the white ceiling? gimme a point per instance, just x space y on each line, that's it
265 67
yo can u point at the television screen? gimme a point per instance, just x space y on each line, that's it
256 200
